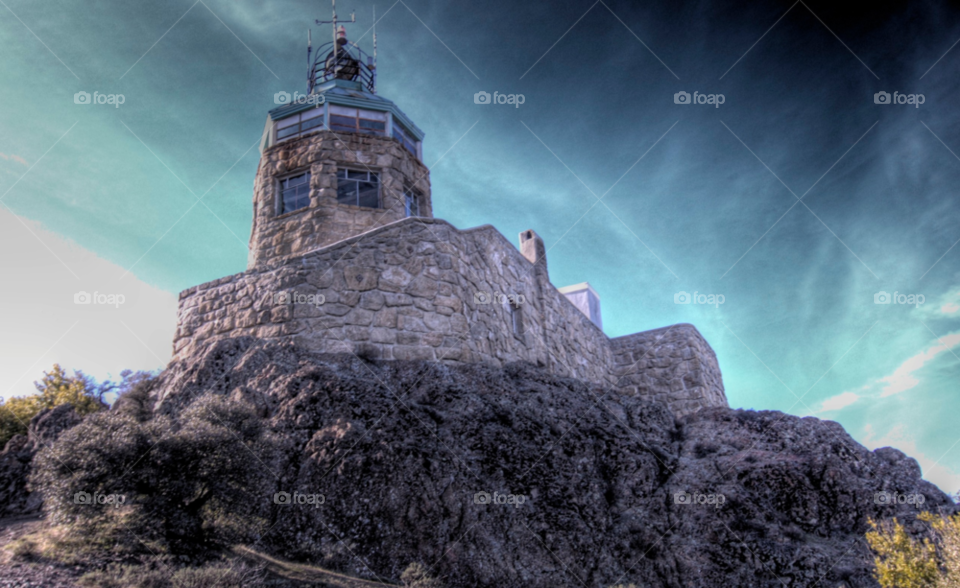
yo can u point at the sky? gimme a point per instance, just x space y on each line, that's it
798 200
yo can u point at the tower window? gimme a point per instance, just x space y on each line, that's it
411 201
299 124
357 120
405 138
358 188
294 193
516 317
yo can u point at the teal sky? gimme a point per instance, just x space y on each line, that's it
694 198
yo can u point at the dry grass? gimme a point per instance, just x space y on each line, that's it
306 573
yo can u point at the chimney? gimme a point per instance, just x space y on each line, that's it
586 300
531 247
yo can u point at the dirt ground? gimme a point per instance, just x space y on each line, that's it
19 574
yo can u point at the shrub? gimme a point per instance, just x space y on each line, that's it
416 576
214 575
202 479
904 562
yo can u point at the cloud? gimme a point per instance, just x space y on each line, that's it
947 479
903 378
950 303
16 158
947 305
839 401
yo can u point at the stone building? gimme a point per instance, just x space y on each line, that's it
346 257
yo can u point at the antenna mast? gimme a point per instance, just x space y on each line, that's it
309 63
374 49
341 63
336 48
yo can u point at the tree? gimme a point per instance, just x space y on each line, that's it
54 389
82 391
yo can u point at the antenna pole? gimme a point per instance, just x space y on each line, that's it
336 49
309 65
374 49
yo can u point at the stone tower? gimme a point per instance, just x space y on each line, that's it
346 257
336 162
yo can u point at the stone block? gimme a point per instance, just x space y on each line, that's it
410 323
422 287
386 318
372 300
394 279
413 352
359 316
360 278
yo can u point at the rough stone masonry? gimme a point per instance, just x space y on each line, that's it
338 278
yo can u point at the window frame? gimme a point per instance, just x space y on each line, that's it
279 207
515 316
318 113
405 137
357 118
357 181
412 194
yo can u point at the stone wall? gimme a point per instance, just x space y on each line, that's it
672 364
421 289
326 221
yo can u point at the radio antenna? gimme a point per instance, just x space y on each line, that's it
374 49
309 63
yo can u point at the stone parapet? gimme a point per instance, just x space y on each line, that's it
419 288
672 364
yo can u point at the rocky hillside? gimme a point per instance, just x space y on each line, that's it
513 477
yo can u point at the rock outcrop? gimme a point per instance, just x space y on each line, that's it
515 477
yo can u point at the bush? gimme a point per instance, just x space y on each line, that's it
416 576
202 479
904 562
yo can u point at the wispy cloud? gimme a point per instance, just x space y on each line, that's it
16 158
904 378
842 400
